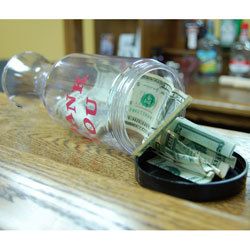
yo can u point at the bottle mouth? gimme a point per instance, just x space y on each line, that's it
20 78
125 85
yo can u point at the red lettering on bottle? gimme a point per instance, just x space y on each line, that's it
79 83
91 130
71 99
88 110
71 120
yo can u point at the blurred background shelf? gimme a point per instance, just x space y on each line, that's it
154 33
179 52
167 35
183 52
213 104
219 106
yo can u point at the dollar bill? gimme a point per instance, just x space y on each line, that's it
208 154
169 141
160 162
202 136
195 163
217 160
186 101
185 146
179 152
174 100
211 154
178 143
146 104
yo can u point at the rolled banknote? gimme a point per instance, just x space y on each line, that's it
193 163
202 136
217 160
183 145
208 154
160 162
213 147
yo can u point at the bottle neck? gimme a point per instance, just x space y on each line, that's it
24 78
244 35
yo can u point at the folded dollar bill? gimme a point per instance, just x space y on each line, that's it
202 136
187 149
160 162
193 156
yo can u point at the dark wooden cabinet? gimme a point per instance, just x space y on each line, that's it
169 35
154 33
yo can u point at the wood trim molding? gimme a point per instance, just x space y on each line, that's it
73 36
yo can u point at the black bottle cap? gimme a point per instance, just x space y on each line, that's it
152 177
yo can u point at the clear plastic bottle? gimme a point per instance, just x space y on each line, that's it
239 64
114 100
209 56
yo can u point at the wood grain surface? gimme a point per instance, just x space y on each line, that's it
219 105
53 179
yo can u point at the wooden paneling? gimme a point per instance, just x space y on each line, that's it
217 105
73 36
116 27
155 33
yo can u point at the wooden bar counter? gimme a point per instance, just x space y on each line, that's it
52 179
219 105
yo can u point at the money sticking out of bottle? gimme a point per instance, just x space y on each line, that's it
181 147
193 152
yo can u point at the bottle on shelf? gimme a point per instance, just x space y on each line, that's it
239 64
209 56
192 30
228 32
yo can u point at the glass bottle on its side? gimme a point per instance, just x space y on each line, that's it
114 100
